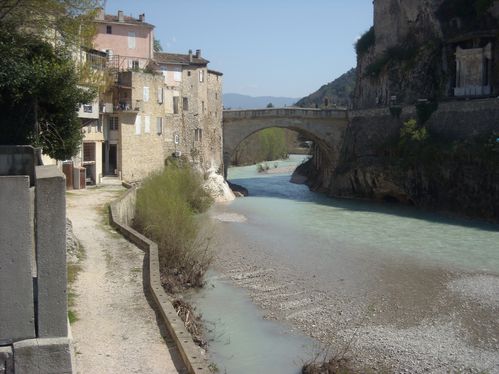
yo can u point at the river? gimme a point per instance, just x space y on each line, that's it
298 275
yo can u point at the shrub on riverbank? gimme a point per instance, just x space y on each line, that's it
167 210
266 145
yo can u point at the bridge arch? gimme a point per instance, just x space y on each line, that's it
325 127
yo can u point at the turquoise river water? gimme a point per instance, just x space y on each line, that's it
319 235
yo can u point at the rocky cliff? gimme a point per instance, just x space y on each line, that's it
409 53
452 165
440 153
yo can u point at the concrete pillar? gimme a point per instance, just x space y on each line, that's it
50 215
6 360
43 356
16 246
98 162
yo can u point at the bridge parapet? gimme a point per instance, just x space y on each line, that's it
311 113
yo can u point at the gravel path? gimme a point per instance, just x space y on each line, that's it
117 329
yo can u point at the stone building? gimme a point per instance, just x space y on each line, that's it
193 95
161 105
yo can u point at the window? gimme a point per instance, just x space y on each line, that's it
185 104
202 106
113 123
146 94
188 73
131 40
147 124
135 65
177 74
88 152
201 75
198 135
87 108
109 30
160 95
159 125
175 104
138 124
176 139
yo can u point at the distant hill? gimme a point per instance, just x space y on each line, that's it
338 92
237 101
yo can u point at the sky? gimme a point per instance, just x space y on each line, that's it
284 48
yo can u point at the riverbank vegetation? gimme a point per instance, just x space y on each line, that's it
168 210
266 145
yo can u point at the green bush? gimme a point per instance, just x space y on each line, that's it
265 145
365 42
166 208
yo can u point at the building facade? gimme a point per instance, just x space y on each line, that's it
158 105
128 41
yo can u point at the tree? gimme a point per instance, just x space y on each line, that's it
157 45
39 82
68 23
270 105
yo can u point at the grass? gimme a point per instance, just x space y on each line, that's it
72 316
167 210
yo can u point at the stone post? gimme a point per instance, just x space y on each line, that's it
16 251
51 252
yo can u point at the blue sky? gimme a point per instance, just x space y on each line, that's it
263 47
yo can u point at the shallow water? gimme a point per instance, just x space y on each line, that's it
314 233
240 340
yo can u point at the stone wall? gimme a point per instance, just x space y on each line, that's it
461 184
121 214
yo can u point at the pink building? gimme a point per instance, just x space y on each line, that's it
128 41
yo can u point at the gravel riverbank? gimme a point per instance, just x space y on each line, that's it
394 317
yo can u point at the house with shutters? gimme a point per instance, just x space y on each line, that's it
158 105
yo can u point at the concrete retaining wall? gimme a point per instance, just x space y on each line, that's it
33 310
121 213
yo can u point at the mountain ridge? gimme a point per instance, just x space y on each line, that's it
240 101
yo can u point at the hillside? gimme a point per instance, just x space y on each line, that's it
338 92
237 101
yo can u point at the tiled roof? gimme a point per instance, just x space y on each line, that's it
111 18
179 59
215 72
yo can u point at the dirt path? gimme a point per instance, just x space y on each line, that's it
117 329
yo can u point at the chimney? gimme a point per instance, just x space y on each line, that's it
190 55
198 53
142 17
121 17
100 14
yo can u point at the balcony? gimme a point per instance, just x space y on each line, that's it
470 91
132 106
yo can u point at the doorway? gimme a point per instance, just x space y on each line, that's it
110 161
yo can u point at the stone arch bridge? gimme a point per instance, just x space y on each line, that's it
325 127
